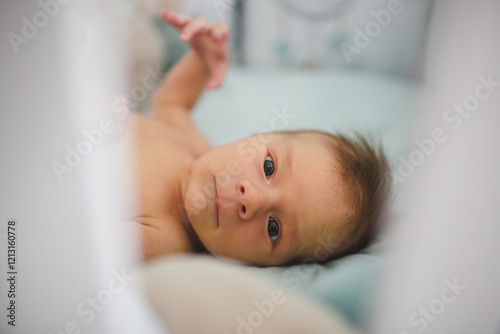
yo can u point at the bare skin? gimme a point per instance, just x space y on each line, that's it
166 146
162 161
263 202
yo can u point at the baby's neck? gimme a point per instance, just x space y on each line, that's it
195 240
180 211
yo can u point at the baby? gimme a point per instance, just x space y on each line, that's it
265 200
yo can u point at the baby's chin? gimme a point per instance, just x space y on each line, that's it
196 206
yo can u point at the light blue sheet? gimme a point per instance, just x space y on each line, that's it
325 100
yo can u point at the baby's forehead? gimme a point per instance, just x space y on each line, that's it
312 192
322 145
332 232
321 240
317 183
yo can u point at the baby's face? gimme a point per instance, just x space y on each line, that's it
267 199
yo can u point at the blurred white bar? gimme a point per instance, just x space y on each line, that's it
443 270
61 63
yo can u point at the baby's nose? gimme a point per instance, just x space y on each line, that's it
252 200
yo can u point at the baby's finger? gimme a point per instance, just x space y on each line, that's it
178 21
195 26
220 31
213 83
217 78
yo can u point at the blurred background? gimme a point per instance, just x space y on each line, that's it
335 65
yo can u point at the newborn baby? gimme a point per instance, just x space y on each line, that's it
265 200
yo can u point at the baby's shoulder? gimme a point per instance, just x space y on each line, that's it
153 129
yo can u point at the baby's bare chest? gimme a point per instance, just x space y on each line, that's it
160 162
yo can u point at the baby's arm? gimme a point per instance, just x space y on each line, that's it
182 86
204 66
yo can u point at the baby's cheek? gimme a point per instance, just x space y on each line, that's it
241 241
250 235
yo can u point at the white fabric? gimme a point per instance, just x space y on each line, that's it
200 294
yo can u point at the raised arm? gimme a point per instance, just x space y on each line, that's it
203 66
182 86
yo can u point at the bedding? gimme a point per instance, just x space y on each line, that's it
200 294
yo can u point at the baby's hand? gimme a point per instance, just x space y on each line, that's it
209 43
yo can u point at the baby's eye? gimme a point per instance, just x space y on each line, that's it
268 167
273 229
